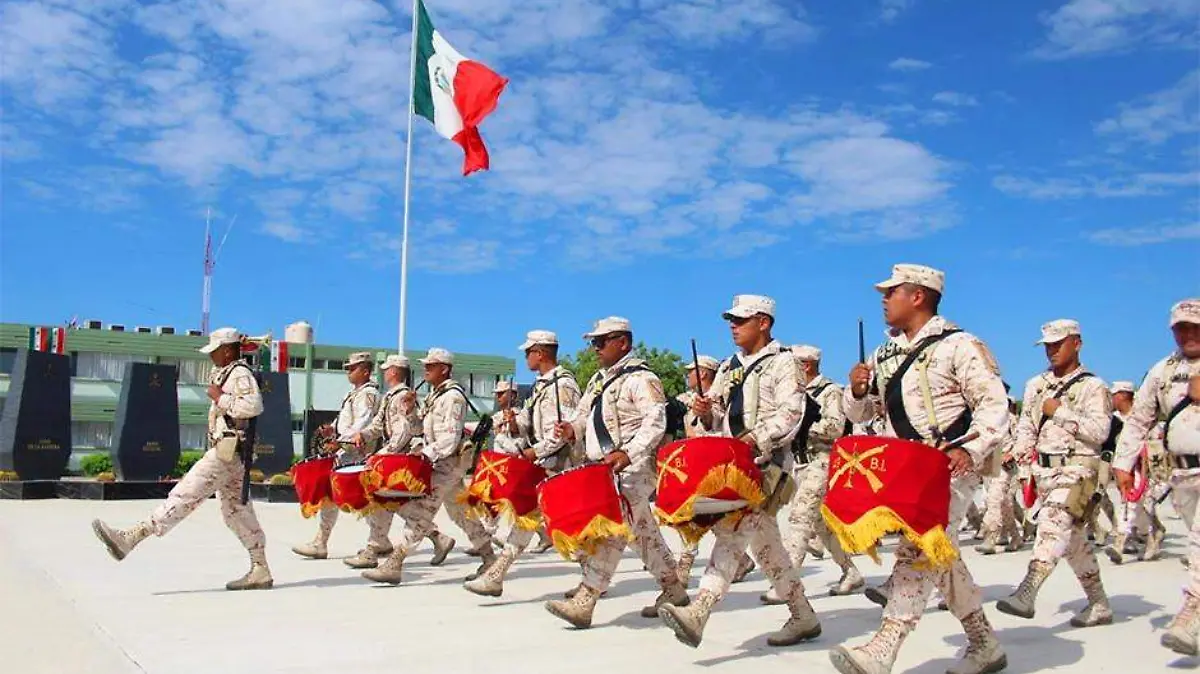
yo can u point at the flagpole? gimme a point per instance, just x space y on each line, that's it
408 144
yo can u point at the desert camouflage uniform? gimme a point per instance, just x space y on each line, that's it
1141 515
1065 453
1000 514
960 375
1165 386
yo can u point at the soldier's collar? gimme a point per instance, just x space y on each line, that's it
816 381
936 326
627 361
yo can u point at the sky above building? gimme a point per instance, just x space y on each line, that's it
650 159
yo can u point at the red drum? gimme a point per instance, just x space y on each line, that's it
705 476
396 478
347 485
581 508
310 477
504 484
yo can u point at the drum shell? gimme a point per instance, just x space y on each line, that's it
401 472
704 476
581 508
349 493
507 482
311 479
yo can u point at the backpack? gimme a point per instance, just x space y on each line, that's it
676 414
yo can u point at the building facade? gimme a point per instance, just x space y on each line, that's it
99 354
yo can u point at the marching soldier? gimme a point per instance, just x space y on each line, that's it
627 400
1065 417
1141 512
1000 520
823 423
757 396
357 410
935 384
235 400
396 423
1171 393
442 421
531 434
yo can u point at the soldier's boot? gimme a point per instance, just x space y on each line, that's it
771 598
442 545
983 654
744 568
802 624
1097 612
120 542
368 557
988 546
688 621
1015 542
686 559
318 548
569 594
1116 549
1181 633
673 593
259 576
816 547
1029 529
1021 603
544 542
1153 545
491 583
390 570
852 581
578 609
874 657
488 556
880 595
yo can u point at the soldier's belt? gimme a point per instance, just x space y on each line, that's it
1060 460
1185 461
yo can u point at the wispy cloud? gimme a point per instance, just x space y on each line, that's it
1093 27
909 64
889 10
1142 236
1136 185
955 98
1160 116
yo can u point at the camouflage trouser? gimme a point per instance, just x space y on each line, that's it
911 585
804 517
1061 533
418 514
209 476
598 569
479 533
1000 516
760 532
1185 496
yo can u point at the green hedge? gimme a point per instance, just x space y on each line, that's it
95 464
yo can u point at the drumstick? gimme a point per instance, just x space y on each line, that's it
862 347
696 365
960 441
557 399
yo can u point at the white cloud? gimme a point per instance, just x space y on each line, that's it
1141 236
955 98
909 64
1159 116
1092 27
1135 185
890 9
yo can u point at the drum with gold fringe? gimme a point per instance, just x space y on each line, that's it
581 508
311 478
504 485
883 485
701 480
392 480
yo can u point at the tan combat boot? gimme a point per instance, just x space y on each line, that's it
390 570
1181 633
442 545
120 542
851 582
686 559
673 593
688 622
802 625
491 583
1153 545
874 657
771 598
578 609
368 557
988 546
316 549
744 568
1097 612
1116 549
1015 541
488 556
983 654
815 547
258 578
1021 603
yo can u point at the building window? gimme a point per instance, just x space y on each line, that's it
193 436
8 360
296 361
334 364
297 425
192 371
91 434
106 366
483 386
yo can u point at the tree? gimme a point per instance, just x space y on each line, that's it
668 365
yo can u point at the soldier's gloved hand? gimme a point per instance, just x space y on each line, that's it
530 455
860 379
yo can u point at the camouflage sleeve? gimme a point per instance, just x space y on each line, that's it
241 398
716 394
1026 441
446 419
579 416
1091 417
1139 420
833 420
771 430
983 390
402 430
569 397
646 391
375 428
363 405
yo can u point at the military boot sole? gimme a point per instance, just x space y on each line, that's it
997 665
361 563
113 548
260 585
484 591
769 600
652 610
1114 556
562 614
876 596
439 556
570 594
311 555
377 576
1106 620
1004 606
844 662
985 550
1178 645
839 591
797 639
684 634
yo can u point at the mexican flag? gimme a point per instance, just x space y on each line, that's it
453 92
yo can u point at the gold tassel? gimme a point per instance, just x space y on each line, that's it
863 536
715 481
590 537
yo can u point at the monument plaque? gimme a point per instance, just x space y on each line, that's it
146 428
35 426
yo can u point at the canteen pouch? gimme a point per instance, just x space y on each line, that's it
1080 501
226 446
780 486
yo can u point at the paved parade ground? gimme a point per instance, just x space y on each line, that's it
68 608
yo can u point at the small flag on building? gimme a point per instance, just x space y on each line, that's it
279 356
58 340
50 340
453 92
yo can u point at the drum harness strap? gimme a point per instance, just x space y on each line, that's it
230 423
893 397
1058 394
603 437
1179 406
737 398
539 388
812 413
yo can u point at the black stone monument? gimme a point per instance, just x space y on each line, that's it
146 428
35 426
313 419
273 445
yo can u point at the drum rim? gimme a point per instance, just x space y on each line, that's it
361 467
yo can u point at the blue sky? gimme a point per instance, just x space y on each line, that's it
650 158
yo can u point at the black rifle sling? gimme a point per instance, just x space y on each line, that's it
602 435
737 397
1175 411
893 395
1062 390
